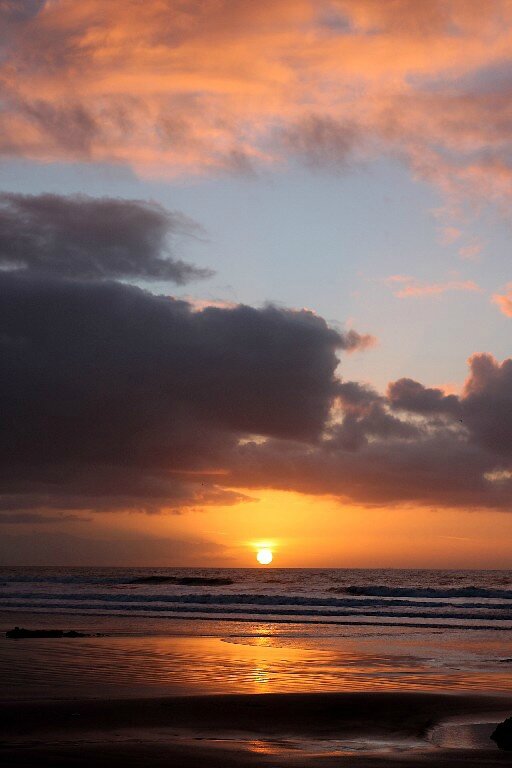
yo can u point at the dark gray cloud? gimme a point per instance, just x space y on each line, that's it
414 446
484 408
357 397
440 469
487 403
357 429
410 395
365 416
19 10
112 397
27 490
34 518
66 549
93 238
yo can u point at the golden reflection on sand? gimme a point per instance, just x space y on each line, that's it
254 663
261 747
262 675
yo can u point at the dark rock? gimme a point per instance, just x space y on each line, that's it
199 581
18 633
187 581
502 735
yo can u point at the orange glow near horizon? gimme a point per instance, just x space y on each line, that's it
320 531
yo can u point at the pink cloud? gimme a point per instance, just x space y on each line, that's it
471 252
171 87
449 235
407 287
358 342
450 388
504 301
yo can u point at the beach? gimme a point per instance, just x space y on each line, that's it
339 668
272 729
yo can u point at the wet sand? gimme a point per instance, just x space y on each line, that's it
326 729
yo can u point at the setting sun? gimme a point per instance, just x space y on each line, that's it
264 556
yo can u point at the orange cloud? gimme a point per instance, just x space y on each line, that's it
471 252
449 235
504 301
412 287
169 87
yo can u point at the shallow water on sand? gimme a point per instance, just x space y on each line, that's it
180 631
266 661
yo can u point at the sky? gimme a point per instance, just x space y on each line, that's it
255 282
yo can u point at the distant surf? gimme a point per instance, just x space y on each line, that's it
462 599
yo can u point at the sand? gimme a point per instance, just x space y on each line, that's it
345 729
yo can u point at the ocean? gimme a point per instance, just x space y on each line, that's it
205 630
423 598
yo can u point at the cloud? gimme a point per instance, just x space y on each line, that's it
410 395
33 518
504 300
439 471
449 235
114 398
357 342
93 238
487 402
405 286
471 252
14 12
484 408
322 141
172 87
65 549
414 446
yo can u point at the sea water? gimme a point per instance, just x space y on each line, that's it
204 630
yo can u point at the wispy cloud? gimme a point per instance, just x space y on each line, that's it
169 86
405 286
472 251
449 235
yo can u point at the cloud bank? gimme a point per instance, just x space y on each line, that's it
415 446
113 398
169 86
116 398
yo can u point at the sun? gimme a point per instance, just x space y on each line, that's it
264 556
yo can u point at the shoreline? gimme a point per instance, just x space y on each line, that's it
244 618
303 729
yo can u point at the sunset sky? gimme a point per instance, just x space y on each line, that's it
256 282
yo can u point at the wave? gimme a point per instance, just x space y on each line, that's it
247 599
268 611
80 579
152 580
430 592
184 581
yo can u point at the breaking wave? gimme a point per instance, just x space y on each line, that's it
430 592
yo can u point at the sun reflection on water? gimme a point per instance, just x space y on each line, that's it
261 675
261 661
